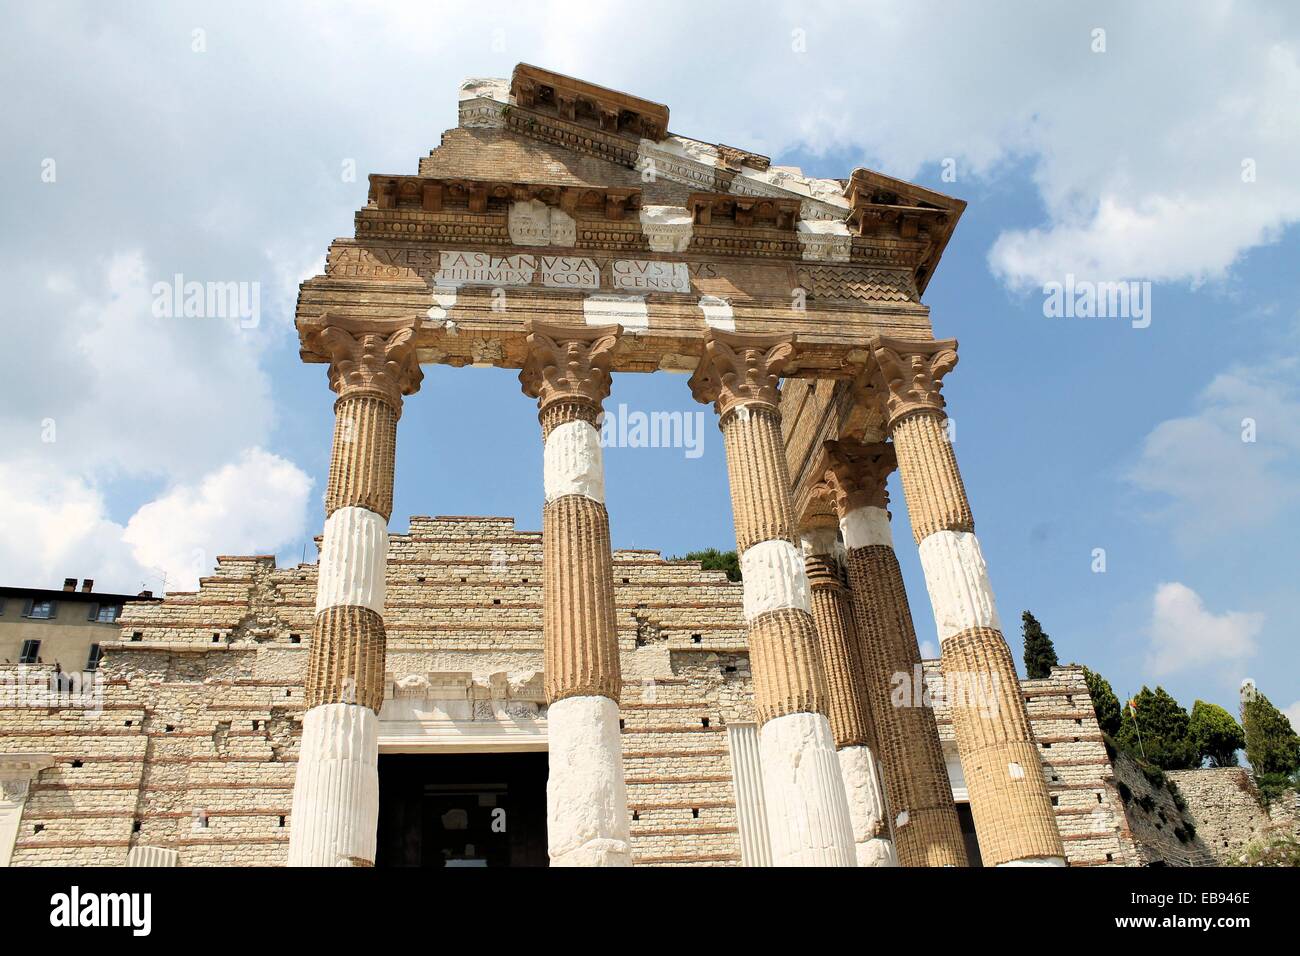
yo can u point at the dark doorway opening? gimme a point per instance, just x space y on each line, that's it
967 821
462 810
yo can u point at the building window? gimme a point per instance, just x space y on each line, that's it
108 613
41 610
30 652
96 654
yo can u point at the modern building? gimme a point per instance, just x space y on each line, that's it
66 628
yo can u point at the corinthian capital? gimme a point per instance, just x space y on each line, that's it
741 370
368 358
912 373
856 475
569 363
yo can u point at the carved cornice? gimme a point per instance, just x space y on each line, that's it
741 370
367 358
451 194
911 373
588 104
569 364
856 475
883 207
732 158
745 212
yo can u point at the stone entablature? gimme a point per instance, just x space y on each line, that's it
578 208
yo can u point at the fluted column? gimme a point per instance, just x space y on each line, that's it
567 371
850 711
1009 801
806 806
336 787
925 826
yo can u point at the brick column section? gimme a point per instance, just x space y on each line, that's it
925 825
808 813
850 712
999 756
336 788
567 371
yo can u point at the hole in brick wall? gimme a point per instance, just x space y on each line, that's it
1110 858
216 638
697 638
1099 798
627 580
1078 721
704 721
1047 746
169 728
729 669
136 826
695 812
1056 801
621 723
137 636
1076 740
496 600
1069 699
295 638
1055 778
38 828
77 763
281 821
636 815
463 580
525 580
288 692
419 580
126 723
257 725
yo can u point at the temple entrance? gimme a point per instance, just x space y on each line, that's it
462 810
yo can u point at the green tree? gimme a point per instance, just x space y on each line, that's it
1159 733
1104 702
1214 735
1040 655
1271 742
711 559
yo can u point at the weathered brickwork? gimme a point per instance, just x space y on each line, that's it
196 746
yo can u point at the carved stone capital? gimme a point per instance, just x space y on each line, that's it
569 364
912 373
856 475
366 358
741 370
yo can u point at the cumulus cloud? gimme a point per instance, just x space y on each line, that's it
57 525
255 504
1232 465
1186 635
1293 714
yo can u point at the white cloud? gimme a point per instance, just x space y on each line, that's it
57 525
255 504
1210 480
1185 635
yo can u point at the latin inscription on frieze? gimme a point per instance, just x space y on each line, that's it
473 268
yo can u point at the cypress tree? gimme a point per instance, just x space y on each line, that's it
1040 654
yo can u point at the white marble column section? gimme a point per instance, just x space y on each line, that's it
17 771
586 796
335 816
958 582
808 814
747 782
859 767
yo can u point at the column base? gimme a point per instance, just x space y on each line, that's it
866 807
807 811
586 798
335 817
1036 861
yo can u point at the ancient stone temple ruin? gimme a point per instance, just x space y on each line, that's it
472 694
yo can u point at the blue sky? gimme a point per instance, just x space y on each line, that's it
218 154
